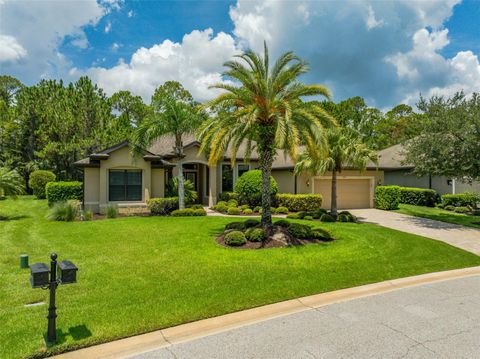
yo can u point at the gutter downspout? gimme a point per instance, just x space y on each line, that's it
453 186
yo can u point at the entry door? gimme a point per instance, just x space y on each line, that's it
192 177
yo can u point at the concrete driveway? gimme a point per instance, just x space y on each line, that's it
438 320
459 236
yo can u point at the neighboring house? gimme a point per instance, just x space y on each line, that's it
114 176
396 172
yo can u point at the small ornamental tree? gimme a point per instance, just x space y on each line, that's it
38 180
249 188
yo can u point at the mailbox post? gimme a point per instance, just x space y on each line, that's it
39 278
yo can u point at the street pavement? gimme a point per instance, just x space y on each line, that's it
438 320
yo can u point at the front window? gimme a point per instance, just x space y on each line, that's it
227 178
242 168
125 185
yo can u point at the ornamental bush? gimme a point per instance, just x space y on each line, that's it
321 233
387 197
235 238
232 203
461 200
418 196
257 209
343 218
189 212
249 188
65 211
239 226
283 223
247 211
327 218
63 191
282 210
38 180
221 207
162 206
255 234
449 207
227 196
350 217
111 211
462 210
301 231
251 223
234 211
299 202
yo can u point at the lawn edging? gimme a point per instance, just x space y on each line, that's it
185 332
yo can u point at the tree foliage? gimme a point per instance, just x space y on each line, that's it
449 140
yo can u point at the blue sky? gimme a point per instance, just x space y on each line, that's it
388 52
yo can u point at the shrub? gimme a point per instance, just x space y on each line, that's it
196 206
327 218
87 215
249 223
222 203
235 238
63 191
300 230
476 212
249 187
449 208
461 200
238 226
299 202
308 218
350 217
189 212
38 180
282 210
257 209
293 216
255 234
162 206
440 205
283 223
462 210
234 211
387 197
247 211
63 211
232 203
320 233
244 207
221 207
418 196
226 196
343 218
112 211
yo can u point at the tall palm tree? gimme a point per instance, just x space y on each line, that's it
174 112
345 148
11 183
264 107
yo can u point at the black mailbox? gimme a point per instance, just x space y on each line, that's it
39 274
67 272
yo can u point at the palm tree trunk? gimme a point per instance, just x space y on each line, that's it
266 160
333 209
181 184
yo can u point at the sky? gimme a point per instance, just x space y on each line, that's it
388 52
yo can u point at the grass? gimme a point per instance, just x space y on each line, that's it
439 214
140 274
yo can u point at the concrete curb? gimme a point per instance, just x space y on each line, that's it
138 344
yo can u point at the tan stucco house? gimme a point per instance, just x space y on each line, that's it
115 176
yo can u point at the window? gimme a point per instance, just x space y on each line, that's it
125 185
227 178
242 168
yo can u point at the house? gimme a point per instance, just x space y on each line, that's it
397 172
115 176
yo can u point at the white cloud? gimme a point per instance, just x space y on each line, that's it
372 22
115 46
40 27
108 27
10 49
130 13
196 62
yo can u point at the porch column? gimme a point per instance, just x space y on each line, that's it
212 185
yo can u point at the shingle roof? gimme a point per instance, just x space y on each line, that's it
392 158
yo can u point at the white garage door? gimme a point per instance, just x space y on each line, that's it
351 192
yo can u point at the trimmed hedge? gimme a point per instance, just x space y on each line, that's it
63 191
255 234
299 202
189 212
239 226
387 197
321 233
327 218
227 196
162 206
301 231
249 188
235 238
418 196
38 181
234 211
283 223
467 199
249 223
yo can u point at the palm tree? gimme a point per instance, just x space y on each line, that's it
11 183
264 109
174 112
345 148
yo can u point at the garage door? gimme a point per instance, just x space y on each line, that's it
351 193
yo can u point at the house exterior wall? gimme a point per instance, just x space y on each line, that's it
91 189
158 182
285 180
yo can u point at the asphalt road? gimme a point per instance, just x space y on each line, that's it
439 320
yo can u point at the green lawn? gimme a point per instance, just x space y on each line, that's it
139 274
440 215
